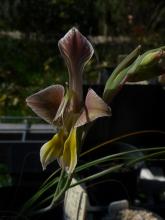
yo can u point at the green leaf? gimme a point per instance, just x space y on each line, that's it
111 86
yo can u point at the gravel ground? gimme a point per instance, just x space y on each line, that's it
129 214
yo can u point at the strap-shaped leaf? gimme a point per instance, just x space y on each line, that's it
123 65
126 61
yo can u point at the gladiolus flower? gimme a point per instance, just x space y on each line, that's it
64 108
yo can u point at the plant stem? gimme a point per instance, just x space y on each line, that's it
62 175
59 194
119 138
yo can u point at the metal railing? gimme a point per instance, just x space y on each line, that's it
22 127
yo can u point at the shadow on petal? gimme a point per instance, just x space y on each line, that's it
46 102
95 107
69 158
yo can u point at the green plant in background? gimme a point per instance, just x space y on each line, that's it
66 110
29 31
5 178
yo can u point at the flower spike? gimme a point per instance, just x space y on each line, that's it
65 108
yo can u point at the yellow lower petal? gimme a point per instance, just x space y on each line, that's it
69 158
53 149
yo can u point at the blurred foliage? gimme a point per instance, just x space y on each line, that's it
52 18
25 66
30 30
5 178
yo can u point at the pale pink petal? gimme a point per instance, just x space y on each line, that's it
76 51
75 48
94 108
46 102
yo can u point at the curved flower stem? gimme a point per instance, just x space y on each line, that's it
100 174
50 177
119 138
117 155
130 163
